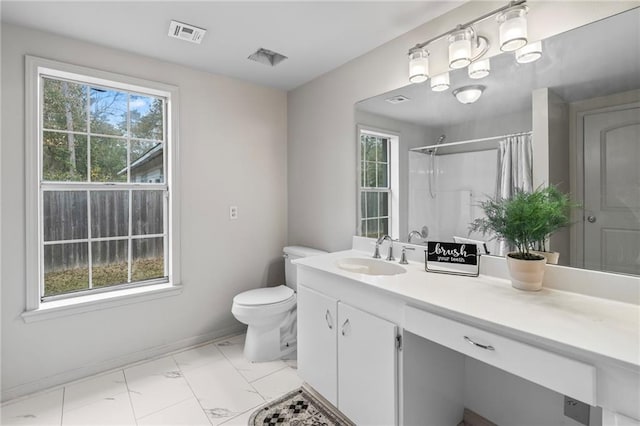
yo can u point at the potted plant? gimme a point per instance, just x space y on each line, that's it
557 212
523 220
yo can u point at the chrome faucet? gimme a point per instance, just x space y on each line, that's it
381 240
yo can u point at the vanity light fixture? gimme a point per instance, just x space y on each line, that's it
440 82
418 65
479 69
466 46
468 94
513 28
529 53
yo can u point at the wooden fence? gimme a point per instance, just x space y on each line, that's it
66 218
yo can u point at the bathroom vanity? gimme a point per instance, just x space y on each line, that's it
416 348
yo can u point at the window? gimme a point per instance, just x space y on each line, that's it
103 150
376 187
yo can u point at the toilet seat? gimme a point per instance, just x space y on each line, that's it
264 296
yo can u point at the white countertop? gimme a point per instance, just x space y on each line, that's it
601 327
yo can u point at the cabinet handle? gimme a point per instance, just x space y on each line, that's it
486 347
344 326
327 317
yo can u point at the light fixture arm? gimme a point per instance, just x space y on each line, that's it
469 24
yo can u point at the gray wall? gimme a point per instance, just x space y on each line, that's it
233 151
321 152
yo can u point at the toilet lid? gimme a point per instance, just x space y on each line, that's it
264 296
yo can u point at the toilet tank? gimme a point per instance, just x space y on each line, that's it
292 253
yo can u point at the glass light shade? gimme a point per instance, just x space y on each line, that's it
531 52
418 65
460 48
440 82
513 28
479 69
468 94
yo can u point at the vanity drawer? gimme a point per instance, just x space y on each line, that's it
564 375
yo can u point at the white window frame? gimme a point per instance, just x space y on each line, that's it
393 176
35 308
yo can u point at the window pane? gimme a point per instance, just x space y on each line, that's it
382 175
372 228
108 160
64 215
146 117
66 268
382 150
109 213
384 204
108 112
363 205
148 259
64 105
64 157
147 162
109 263
148 212
384 226
363 228
370 148
372 204
371 175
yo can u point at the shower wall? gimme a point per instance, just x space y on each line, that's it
459 182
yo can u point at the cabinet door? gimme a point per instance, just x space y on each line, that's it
367 356
317 342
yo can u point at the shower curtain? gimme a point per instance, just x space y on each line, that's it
515 171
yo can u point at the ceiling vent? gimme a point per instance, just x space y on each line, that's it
398 99
186 32
267 57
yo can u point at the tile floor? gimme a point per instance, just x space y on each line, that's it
208 385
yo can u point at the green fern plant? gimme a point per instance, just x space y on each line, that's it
526 219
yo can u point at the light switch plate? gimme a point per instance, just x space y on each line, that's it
577 410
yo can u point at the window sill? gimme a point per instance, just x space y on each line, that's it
94 302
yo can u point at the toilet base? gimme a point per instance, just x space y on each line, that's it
266 344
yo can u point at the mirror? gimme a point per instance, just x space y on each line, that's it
581 104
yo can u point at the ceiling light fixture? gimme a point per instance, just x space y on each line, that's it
440 82
513 28
468 94
529 53
418 65
479 69
466 47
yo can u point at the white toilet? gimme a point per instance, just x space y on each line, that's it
270 312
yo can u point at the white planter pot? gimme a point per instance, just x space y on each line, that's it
551 256
526 274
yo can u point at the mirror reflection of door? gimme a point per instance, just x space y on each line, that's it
612 189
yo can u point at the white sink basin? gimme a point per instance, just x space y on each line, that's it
369 266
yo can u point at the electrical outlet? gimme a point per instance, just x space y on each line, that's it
578 411
233 212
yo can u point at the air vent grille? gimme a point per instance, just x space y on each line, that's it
186 32
398 99
267 57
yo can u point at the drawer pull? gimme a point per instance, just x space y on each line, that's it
344 327
486 347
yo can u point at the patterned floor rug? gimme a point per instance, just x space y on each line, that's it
297 408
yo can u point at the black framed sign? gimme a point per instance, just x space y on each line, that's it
452 258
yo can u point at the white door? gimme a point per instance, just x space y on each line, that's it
367 365
317 342
612 191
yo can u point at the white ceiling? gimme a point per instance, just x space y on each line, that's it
316 36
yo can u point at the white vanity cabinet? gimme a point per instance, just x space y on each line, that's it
349 356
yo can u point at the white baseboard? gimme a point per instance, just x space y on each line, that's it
61 379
